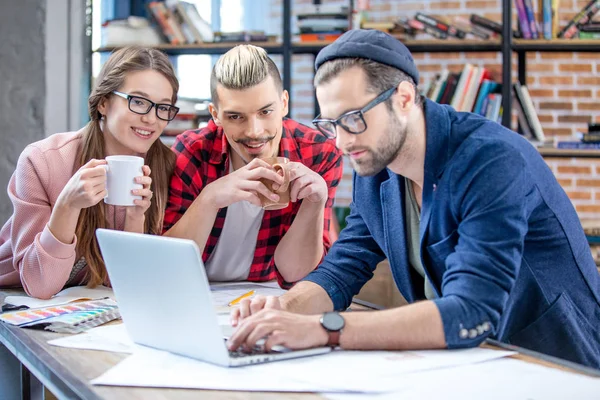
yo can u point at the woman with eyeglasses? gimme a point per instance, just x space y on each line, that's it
57 189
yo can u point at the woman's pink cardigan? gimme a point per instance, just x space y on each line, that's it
30 255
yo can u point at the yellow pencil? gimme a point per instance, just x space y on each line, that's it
235 301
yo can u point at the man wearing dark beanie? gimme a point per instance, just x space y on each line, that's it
481 239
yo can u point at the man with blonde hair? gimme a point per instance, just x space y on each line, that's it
219 175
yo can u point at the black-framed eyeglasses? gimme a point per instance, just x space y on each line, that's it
353 121
142 106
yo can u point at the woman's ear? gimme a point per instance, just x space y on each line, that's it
215 115
102 106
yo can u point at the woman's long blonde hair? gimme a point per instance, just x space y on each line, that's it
159 158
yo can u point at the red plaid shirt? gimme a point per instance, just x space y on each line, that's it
203 157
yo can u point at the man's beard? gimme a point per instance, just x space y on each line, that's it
388 148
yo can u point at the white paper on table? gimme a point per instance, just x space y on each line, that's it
493 380
105 338
355 371
155 368
224 293
68 295
375 371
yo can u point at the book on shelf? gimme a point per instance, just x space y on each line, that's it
490 25
589 35
192 21
545 16
439 25
526 105
165 20
242 36
476 31
524 23
582 18
575 145
419 26
180 23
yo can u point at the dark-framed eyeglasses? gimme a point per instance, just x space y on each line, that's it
141 105
353 121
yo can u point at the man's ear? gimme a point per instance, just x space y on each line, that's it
405 96
285 98
215 115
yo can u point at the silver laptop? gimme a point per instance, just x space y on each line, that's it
164 298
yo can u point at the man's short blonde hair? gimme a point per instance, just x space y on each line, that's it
241 68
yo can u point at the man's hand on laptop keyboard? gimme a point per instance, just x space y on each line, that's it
248 307
294 331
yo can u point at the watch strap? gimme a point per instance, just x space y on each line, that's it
334 338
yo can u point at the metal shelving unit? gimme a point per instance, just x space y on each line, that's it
506 45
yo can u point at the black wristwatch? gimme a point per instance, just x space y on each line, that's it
333 323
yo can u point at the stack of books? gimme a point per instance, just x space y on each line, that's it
587 141
323 22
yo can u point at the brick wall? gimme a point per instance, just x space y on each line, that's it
565 87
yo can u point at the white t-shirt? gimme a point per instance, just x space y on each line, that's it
232 257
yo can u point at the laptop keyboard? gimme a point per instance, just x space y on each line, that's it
256 350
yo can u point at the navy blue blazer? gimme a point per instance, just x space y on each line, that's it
500 242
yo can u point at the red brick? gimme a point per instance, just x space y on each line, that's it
411 6
492 55
556 105
555 56
587 208
546 118
539 67
574 118
588 182
385 7
588 56
578 67
443 56
588 106
541 93
444 5
597 196
580 195
430 68
574 169
574 93
469 5
555 80
455 68
588 80
564 182
558 131
494 16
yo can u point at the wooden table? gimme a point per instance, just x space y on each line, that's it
66 372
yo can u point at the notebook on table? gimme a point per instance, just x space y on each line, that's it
165 301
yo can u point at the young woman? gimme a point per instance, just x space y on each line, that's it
57 189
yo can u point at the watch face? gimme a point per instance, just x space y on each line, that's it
333 321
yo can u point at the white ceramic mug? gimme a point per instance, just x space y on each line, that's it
121 172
